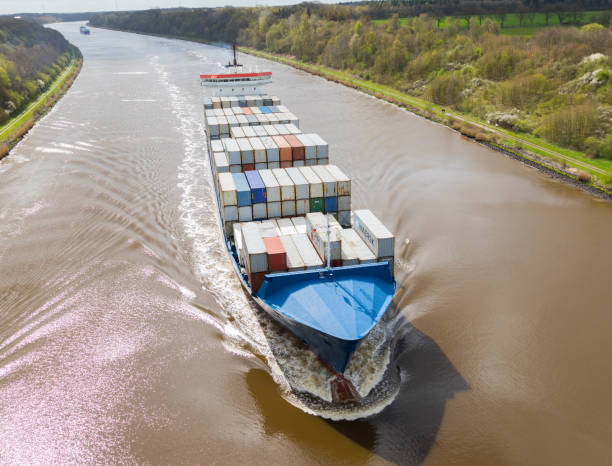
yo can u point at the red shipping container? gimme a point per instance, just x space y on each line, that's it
298 151
248 167
255 280
336 263
286 164
277 256
246 111
284 148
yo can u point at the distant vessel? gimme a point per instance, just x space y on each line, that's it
283 210
85 30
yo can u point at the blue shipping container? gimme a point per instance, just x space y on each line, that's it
243 189
264 109
258 188
331 204
252 120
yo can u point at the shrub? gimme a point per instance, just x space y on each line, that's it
501 63
591 147
446 90
572 125
605 149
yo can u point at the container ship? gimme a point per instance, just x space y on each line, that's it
318 268
84 30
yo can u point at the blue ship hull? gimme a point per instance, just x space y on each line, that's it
330 310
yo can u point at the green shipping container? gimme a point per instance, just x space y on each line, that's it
316 204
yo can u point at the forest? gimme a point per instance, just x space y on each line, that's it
31 56
556 83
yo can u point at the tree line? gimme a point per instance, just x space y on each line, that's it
31 56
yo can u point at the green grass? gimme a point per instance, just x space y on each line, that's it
7 130
601 169
531 23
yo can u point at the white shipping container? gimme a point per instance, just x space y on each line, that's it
273 165
288 208
219 112
293 129
245 213
259 150
309 146
302 190
273 193
217 146
234 102
361 249
293 121
322 147
282 109
320 239
259 131
259 100
250 100
286 184
246 151
228 111
256 256
349 256
294 260
261 166
300 224
249 131
223 125
225 102
237 132
314 220
272 118
329 182
213 126
262 118
378 238
255 110
285 225
271 130
232 150
237 111
221 165
210 113
230 213
232 121
238 242
260 211
228 189
282 129
216 102
307 251
242 120
274 209
268 229
343 181
344 203
302 206
275 100
272 153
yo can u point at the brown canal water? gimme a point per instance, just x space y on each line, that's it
124 336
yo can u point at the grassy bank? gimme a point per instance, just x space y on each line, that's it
18 126
596 174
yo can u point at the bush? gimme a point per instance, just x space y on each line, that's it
501 63
605 149
591 147
572 125
446 90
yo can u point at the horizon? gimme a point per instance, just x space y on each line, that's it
16 7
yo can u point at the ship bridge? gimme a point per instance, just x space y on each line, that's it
229 84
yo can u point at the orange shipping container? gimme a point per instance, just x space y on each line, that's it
246 111
277 256
284 148
298 151
286 164
248 167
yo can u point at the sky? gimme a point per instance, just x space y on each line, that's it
75 6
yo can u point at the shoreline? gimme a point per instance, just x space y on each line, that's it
42 108
542 164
